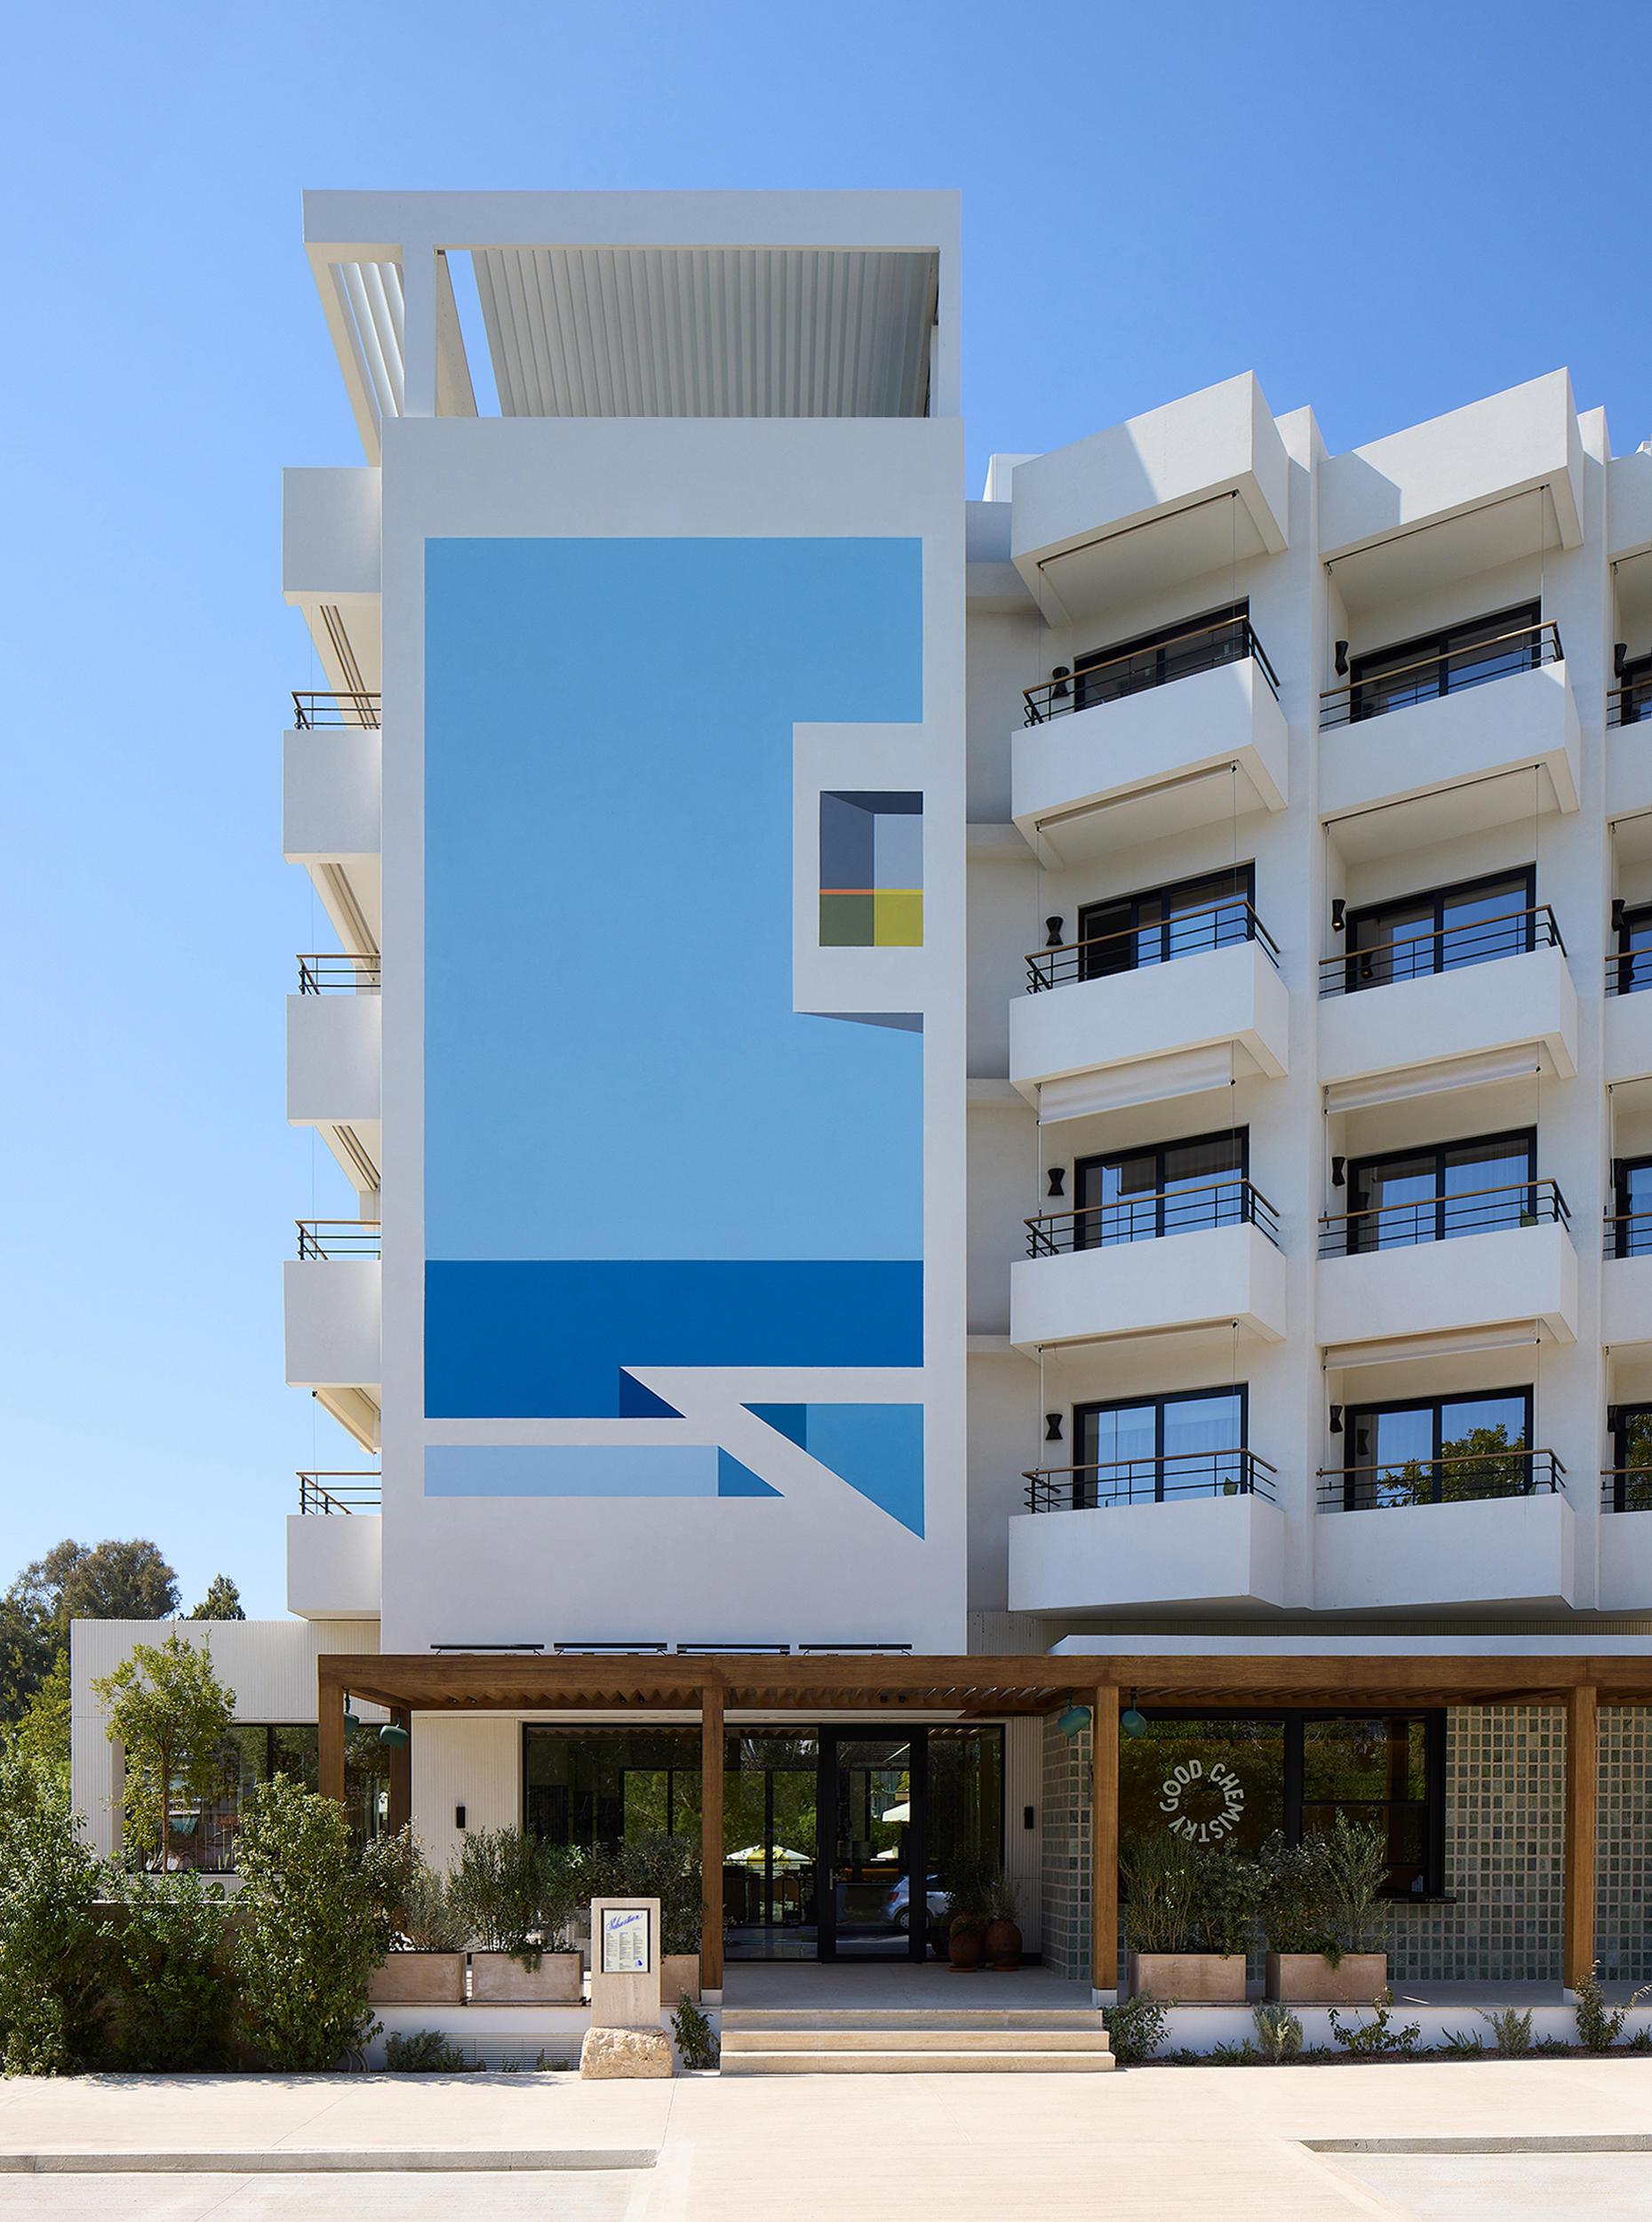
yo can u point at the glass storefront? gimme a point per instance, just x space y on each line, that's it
792 1889
202 1832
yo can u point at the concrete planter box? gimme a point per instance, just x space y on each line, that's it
496 1980
679 1977
1307 1979
418 1978
1192 1978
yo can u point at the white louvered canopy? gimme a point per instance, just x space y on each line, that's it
708 331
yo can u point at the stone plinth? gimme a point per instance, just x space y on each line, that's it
609 2054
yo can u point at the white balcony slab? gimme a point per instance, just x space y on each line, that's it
1626 1579
1628 1036
1505 1278
334 1565
1212 1551
1157 763
1193 1287
335 1059
1441 770
1139 1037
1626 1302
1165 497
1481 1022
331 1311
1499 1550
329 796
330 534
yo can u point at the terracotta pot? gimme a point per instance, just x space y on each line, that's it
1307 1979
496 1980
1004 1945
1192 1979
964 1949
418 1978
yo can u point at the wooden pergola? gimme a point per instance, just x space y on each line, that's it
849 1685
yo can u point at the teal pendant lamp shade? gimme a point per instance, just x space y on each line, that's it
396 1738
352 1718
1075 1720
1132 1722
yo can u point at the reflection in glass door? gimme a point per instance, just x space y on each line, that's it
769 1851
874 1811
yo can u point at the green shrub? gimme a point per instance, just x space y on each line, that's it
1242 2054
318 1917
661 1867
1277 2031
1511 2031
1552 2048
1642 2041
1135 2026
1464 2044
1598 2027
693 2033
1378 2035
171 1964
53 1950
1353 1867
1227 1887
1157 1873
427 1920
546 2066
513 1894
426 2052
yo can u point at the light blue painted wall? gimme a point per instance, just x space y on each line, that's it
614 1066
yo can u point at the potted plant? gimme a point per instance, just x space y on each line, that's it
657 1865
1003 1935
967 1906
1316 1902
1188 1910
513 1895
426 1963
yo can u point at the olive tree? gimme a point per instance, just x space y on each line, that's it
168 1707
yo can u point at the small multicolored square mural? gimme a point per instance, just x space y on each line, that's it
871 871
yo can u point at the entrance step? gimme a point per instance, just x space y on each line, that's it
914 2040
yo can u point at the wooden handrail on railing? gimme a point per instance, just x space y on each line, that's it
1235 905
321 1240
1341 698
1254 1209
1065 687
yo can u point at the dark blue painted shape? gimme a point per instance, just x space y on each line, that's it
735 1480
638 1401
790 1420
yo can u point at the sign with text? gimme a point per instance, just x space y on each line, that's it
626 1940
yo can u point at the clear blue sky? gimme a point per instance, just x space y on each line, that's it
1384 211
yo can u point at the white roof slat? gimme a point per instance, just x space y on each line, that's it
369 339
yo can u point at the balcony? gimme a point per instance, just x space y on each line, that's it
1630 705
1502 1271
1625 1577
1626 1283
1124 752
1513 1548
334 1565
330 793
1190 1267
330 1299
317 706
1466 1478
1197 1530
1488 1001
1101 1025
1628 1034
1449 760
334 1048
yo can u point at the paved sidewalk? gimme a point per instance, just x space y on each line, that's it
1150 2146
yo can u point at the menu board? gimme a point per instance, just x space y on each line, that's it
626 1940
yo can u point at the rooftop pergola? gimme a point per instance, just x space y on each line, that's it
856 1686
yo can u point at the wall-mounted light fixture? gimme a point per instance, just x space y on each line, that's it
1132 1720
1339 1167
1026 1816
1617 914
1052 1427
1057 1174
1342 659
1614 1413
459 1816
1340 911
1335 1419
1620 657
1060 691
1052 933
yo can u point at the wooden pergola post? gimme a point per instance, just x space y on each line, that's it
1103 1845
711 1841
1582 1763
330 1737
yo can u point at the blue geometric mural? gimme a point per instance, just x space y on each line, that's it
877 1448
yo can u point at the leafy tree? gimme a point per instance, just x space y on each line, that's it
168 1707
223 1602
319 1917
117 1581
1482 1463
169 1965
54 1977
42 1734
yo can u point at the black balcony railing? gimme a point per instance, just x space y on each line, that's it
1145 1219
1205 648
339 1492
1447 949
332 974
1400 686
1187 933
322 705
1628 1234
1149 1480
1630 705
323 1240
1627 1489
1442 1218
1628 972
1466 1479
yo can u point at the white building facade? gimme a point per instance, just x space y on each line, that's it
924 1076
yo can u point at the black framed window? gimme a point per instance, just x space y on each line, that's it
1442 929
1634 704
1629 1485
1448 1188
1237 1777
1445 662
1442 1450
1174 1189
1633 970
1142 1450
1160 923
1632 1207
1152 659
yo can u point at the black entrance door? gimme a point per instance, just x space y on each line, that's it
873 1887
